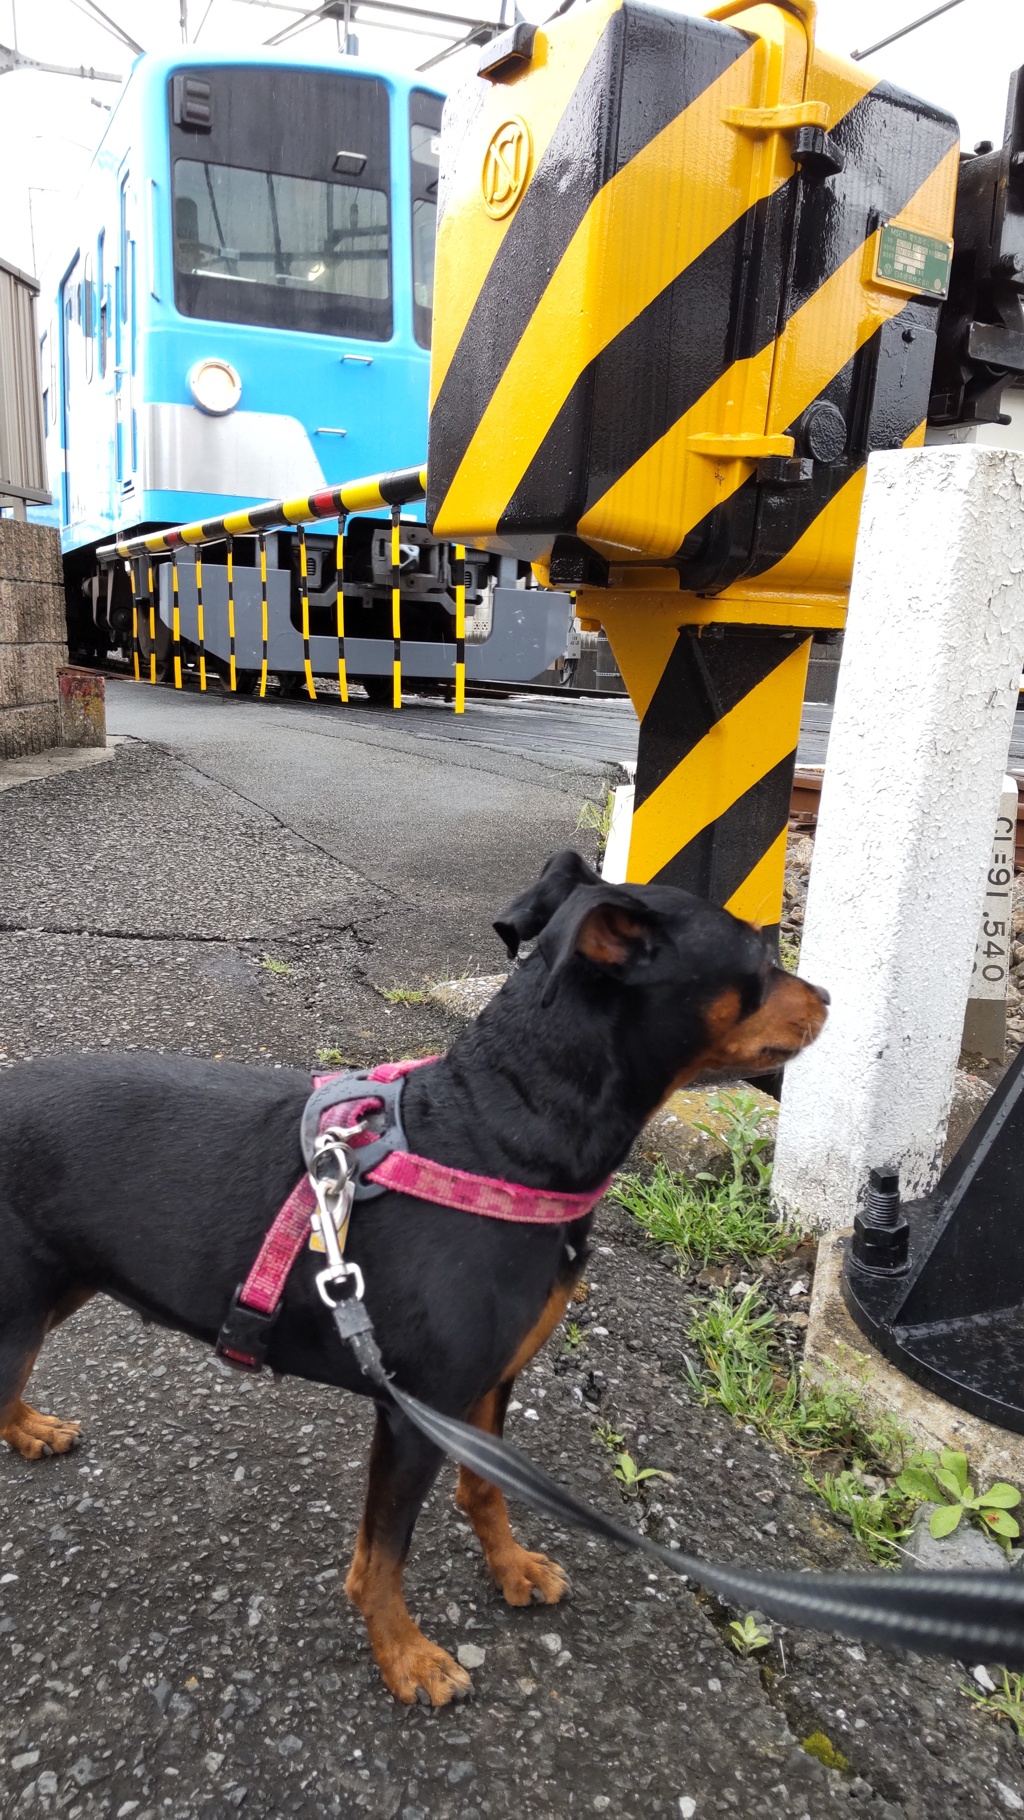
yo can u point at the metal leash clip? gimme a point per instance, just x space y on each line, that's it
331 1180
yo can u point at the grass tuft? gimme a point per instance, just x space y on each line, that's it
707 1219
405 995
746 1369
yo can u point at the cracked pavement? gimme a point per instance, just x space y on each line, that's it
174 1639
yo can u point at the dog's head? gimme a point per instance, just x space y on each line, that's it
719 1001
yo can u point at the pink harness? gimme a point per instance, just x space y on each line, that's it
405 1173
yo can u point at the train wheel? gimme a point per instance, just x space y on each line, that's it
379 689
291 684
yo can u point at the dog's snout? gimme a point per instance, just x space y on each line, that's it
825 997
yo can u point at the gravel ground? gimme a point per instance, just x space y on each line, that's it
174 1638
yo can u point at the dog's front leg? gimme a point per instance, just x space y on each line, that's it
521 1576
403 1466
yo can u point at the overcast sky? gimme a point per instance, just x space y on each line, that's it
49 125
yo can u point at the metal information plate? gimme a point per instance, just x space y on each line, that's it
915 262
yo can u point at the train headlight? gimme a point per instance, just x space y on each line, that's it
215 386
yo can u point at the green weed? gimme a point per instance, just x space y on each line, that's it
574 1336
746 1368
607 1436
597 818
746 1636
789 955
631 1476
708 1219
405 995
878 1513
943 1479
1005 1704
270 965
333 1058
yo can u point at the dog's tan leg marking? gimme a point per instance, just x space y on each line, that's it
24 1428
413 1667
522 1576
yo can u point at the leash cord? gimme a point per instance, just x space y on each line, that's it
967 1616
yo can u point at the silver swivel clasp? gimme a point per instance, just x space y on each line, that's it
331 1181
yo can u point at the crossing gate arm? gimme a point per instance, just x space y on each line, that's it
403 486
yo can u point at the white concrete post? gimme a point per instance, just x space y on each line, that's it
924 709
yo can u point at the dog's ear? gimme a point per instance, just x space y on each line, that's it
527 915
606 925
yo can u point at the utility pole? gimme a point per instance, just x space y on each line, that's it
184 21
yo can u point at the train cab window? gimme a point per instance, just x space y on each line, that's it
270 228
425 158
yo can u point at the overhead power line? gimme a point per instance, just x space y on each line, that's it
91 10
948 6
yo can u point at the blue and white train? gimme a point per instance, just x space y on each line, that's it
245 316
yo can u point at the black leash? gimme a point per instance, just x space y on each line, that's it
972 1616
969 1616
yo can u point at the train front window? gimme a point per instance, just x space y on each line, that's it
262 228
281 202
425 158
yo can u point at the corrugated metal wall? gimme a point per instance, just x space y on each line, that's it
22 459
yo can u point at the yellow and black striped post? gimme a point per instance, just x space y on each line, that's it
175 622
264 614
231 613
200 626
719 707
304 586
396 606
340 573
459 578
152 622
130 566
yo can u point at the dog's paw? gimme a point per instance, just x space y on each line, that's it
528 1579
31 1434
422 1671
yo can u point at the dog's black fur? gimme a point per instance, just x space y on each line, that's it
154 1180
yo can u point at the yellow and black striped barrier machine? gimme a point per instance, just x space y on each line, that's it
688 276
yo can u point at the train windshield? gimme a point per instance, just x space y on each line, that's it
282 201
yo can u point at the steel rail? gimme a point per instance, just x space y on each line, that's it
404 486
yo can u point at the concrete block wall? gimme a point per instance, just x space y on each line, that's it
33 637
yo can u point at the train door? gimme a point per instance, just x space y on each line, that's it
72 357
124 346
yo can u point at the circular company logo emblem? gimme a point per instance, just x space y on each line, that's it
506 167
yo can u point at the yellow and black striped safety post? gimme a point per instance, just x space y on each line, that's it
459 578
200 626
719 706
396 606
231 613
265 622
175 623
304 586
130 566
340 575
152 622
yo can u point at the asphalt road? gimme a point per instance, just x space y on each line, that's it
242 880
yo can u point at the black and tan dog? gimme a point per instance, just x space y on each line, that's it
154 1179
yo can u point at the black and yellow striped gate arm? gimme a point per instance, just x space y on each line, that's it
402 486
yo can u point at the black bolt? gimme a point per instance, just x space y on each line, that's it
881 1236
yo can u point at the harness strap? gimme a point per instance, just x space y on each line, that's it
245 1334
